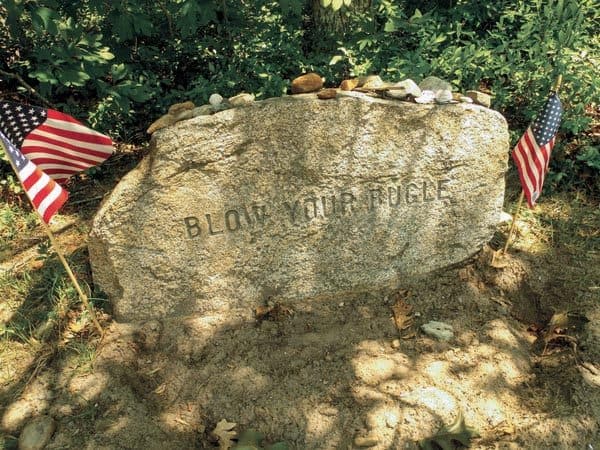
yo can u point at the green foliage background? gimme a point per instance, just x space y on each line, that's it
119 65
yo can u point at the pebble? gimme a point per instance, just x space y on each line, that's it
241 99
327 94
370 81
162 122
480 98
439 330
183 115
443 96
426 97
435 84
348 85
505 217
215 99
179 107
408 87
396 343
37 433
465 99
203 110
309 82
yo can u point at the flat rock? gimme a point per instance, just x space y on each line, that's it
37 433
241 99
162 122
179 107
404 88
327 94
439 330
481 98
279 200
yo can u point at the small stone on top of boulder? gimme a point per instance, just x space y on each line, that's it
309 82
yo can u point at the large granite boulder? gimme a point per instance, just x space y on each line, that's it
296 198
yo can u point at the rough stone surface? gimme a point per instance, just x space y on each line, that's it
37 433
279 201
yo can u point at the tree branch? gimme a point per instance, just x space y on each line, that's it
26 85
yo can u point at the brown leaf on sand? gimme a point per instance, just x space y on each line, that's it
224 433
402 313
272 311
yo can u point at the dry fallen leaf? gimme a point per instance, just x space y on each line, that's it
402 313
274 311
224 434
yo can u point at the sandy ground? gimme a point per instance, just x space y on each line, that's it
341 373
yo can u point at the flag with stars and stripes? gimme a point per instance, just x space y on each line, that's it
532 152
46 195
55 142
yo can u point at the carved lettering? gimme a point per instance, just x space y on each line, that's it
236 225
210 226
441 187
340 204
392 203
292 210
425 192
192 226
347 199
411 196
324 206
375 198
308 208
260 212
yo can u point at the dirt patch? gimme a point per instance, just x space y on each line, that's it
343 372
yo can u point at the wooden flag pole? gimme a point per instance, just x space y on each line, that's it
514 221
555 89
65 264
62 259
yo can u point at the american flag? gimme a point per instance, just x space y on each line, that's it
532 152
46 195
55 142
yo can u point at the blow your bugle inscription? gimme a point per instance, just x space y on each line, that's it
308 208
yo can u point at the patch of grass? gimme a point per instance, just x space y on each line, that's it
16 228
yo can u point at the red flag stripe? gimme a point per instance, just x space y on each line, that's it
525 181
44 163
46 134
76 133
56 204
534 155
37 145
63 121
45 194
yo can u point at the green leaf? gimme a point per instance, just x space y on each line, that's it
44 77
390 26
336 59
325 3
336 4
43 18
70 77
